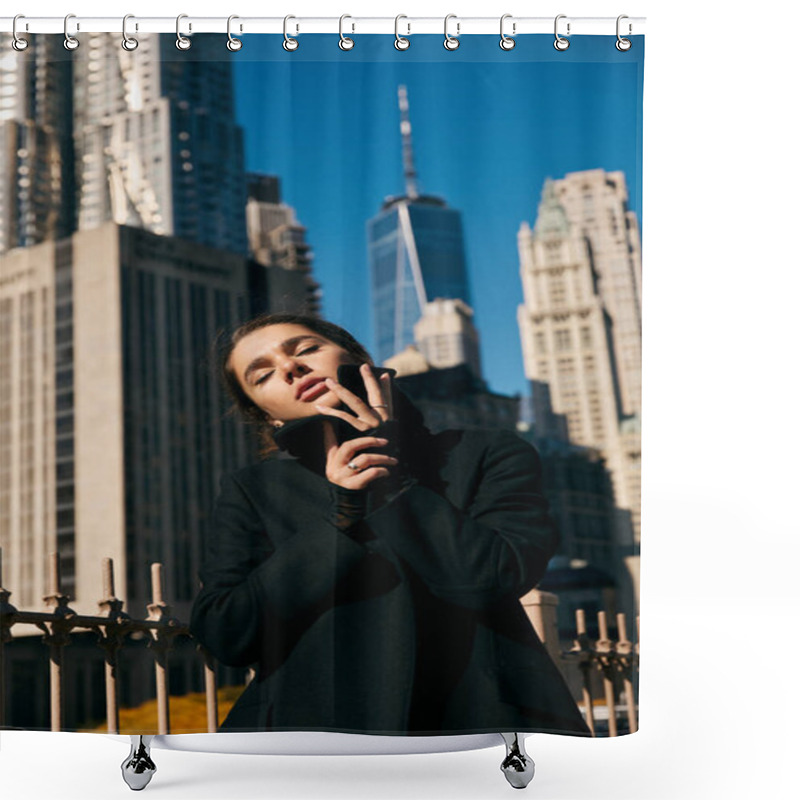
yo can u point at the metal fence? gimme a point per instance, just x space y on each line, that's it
613 662
112 626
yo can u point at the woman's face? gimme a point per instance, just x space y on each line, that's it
282 369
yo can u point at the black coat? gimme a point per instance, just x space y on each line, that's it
406 620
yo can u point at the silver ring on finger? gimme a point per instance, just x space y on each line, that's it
380 406
352 465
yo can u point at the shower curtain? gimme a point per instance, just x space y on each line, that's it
211 517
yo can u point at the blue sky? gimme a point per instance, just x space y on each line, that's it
488 127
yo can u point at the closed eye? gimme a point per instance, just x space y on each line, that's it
304 351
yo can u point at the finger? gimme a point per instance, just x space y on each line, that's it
375 392
367 460
356 404
363 479
386 388
352 448
356 422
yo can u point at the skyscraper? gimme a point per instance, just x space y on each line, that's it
149 127
278 243
596 203
113 434
416 255
446 335
36 156
580 278
112 426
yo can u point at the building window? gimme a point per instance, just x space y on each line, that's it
563 339
558 291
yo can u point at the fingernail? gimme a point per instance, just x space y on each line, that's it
385 441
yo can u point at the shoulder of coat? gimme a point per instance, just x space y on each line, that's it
257 472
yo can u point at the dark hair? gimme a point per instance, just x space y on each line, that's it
241 402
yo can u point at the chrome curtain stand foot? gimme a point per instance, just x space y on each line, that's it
138 768
517 766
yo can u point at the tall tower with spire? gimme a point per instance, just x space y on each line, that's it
416 254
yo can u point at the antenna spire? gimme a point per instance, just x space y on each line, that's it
408 151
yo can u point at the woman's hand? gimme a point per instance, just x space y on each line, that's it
346 465
377 409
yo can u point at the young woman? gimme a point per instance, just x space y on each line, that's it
370 570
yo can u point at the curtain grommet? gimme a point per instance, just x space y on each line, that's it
129 43
70 42
561 44
182 42
451 42
345 42
622 44
233 44
289 44
401 42
507 42
18 42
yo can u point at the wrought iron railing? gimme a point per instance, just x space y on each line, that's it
614 662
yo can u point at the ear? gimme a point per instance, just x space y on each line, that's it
276 423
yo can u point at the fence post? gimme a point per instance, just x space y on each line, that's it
582 648
542 610
111 607
209 671
158 611
56 636
624 650
7 612
605 648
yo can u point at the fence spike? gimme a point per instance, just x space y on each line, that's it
580 621
108 578
55 574
156 579
602 624
622 632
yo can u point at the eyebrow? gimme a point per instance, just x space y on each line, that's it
265 361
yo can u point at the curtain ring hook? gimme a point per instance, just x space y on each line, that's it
401 42
70 42
622 44
451 42
506 42
561 43
182 42
18 43
233 44
345 42
128 42
289 44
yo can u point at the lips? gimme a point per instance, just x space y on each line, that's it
310 389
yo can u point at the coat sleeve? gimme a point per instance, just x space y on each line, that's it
498 547
255 592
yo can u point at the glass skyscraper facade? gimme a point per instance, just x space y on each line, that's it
416 254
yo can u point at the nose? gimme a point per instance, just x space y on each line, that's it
291 368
